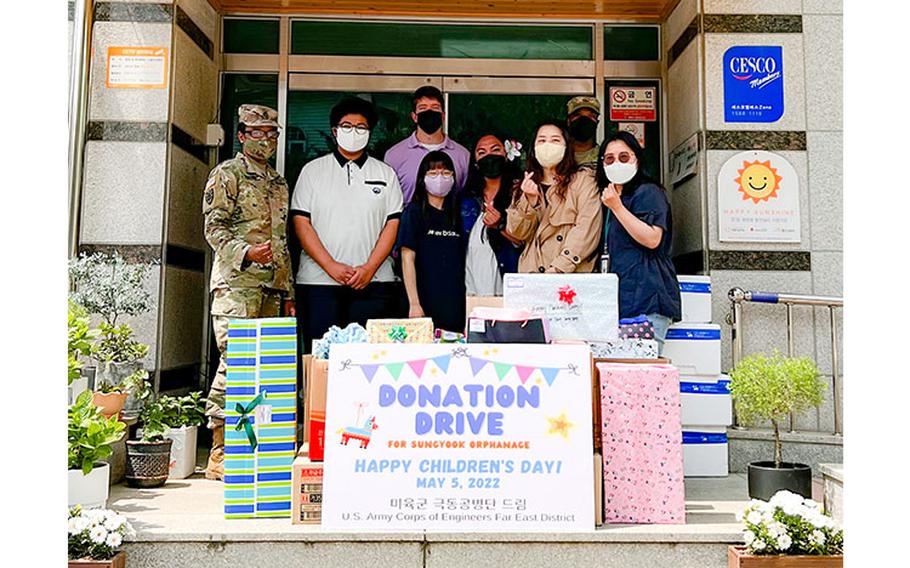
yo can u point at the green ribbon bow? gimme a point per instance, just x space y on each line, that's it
398 334
244 421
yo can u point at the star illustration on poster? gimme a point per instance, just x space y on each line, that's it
441 362
560 426
566 294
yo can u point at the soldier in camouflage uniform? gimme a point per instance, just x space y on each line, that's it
582 116
245 207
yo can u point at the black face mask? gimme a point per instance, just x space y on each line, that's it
429 121
490 166
583 129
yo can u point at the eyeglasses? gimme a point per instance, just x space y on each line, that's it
623 157
436 173
348 128
260 134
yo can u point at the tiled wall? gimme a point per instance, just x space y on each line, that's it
809 135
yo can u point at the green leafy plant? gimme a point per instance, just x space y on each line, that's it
90 434
152 417
116 345
109 286
182 411
96 534
136 384
770 388
79 339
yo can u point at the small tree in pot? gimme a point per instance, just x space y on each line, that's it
770 389
148 459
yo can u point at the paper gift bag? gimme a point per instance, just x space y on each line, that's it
642 444
413 330
260 417
576 306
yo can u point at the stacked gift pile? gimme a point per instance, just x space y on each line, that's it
693 345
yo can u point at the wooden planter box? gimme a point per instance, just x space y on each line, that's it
738 557
118 561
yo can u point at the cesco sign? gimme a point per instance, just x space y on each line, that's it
749 65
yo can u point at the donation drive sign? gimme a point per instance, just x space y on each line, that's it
753 83
459 437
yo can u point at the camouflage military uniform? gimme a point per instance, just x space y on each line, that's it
245 204
589 157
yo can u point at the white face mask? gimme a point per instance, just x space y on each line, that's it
621 173
549 153
351 141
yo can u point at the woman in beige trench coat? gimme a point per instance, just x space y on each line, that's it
556 212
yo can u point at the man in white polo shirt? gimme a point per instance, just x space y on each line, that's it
346 207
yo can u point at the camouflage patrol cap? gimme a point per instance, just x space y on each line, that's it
258 115
583 102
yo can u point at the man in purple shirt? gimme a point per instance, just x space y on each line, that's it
406 156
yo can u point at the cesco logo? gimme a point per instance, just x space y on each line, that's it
743 68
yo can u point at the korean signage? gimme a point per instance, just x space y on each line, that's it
633 104
459 437
753 84
758 199
137 67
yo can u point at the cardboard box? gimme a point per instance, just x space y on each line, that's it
260 400
413 330
705 451
695 296
317 376
306 491
576 306
706 404
471 302
694 348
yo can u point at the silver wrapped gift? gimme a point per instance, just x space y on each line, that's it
624 349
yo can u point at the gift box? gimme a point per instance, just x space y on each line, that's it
705 451
353 333
413 330
317 376
576 306
708 404
624 349
636 328
260 417
694 348
695 296
306 491
504 325
642 444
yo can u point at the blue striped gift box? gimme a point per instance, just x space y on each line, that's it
261 358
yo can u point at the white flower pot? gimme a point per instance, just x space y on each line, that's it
183 451
90 490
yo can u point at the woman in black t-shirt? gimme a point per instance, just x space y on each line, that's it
432 249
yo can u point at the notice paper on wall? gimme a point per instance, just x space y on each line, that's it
476 437
137 67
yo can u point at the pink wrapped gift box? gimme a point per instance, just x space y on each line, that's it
642 444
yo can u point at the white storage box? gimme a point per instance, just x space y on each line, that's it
577 306
694 348
705 451
183 451
695 296
708 404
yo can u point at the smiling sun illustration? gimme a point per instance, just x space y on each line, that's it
758 181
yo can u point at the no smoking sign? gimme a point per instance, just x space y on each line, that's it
633 104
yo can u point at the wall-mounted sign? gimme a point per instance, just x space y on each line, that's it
469 437
758 199
137 67
633 103
753 83
684 160
636 129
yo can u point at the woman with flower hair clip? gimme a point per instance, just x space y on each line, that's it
491 250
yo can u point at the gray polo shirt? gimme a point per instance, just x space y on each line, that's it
348 204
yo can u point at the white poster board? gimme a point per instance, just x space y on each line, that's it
758 199
684 160
459 438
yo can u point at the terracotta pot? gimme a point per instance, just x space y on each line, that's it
110 404
739 557
118 561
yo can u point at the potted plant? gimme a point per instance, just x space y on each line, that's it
90 437
110 399
148 459
770 389
79 344
109 287
787 532
183 415
95 535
